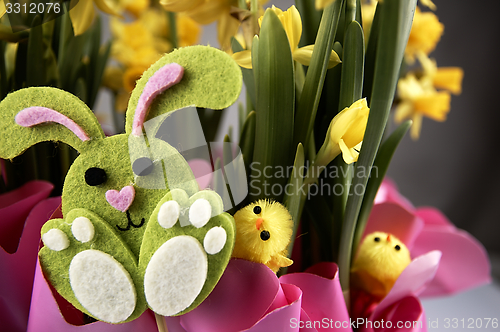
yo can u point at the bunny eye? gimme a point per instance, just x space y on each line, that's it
142 166
95 176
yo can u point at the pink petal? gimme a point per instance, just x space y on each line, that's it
18 269
434 218
388 192
242 297
412 280
46 317
14 209
464 263
393 218
282 319
202 171
405 315
322 294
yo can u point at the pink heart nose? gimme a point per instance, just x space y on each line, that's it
121 200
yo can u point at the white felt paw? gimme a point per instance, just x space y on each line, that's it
55 239
169 214
175 275
82 229
200 212
102 286
214 240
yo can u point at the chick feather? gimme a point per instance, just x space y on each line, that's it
380 260
263 232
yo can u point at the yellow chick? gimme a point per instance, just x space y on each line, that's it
380 260
263 232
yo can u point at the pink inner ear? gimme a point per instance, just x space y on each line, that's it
163 79
36 115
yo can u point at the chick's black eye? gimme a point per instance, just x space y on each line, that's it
397 247
264 235
257 210
95 176
377 239
142 166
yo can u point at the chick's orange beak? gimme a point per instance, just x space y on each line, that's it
388 237
258 222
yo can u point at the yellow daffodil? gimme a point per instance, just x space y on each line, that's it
292 24
82 13
209 11
418 99
425 33
345 135
3 10
446 78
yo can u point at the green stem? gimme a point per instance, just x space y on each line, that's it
172 24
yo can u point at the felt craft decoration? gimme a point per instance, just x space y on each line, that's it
380 260
263 232
136 230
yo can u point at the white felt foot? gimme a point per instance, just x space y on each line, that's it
169 214
82 229
55 239
102 286
175 275
214 240
200 213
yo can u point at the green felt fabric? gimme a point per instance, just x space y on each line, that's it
156 235
211 80
15 139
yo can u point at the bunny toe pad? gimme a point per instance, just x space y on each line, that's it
189 244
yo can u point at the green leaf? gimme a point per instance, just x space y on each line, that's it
248 78
293 194
315 77
394 28
371 51
247 140
274 80
380 167
3 71
35 73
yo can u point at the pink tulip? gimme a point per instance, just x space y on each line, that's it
22 213
249 297
439 251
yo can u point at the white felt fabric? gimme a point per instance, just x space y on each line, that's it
175 275
168 214
102 286
200 212
214 240
55 239
82 229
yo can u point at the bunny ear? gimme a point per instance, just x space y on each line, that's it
34 115
210 79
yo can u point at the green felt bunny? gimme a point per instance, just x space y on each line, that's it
136 231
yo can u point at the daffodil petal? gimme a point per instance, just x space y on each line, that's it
303 55
243 59
103 6
416 126
449 78
180 5
435 106
403 111
349 155
227 26
293 26
2 8
81 15
429 4
207 12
